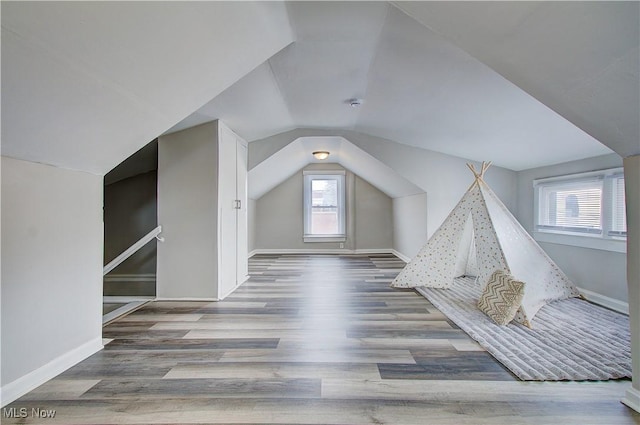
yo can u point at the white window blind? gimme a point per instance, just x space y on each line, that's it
574 206
588 204
618 218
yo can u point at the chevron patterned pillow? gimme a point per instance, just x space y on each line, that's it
501 297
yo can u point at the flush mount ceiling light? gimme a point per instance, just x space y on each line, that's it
321 154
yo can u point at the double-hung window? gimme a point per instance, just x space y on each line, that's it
324 206
586 209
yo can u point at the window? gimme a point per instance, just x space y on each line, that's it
588 205
324 206
618 217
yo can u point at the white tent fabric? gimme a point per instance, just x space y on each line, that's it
498 241
466 264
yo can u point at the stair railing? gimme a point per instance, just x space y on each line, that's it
133 249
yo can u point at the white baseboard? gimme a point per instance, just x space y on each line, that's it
373 251
229 292
16 389
240 282
322 251
400 256
301 251
141 277
632 399
187 299
603 300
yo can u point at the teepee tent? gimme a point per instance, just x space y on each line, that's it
479 237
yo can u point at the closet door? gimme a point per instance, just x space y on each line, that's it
241 193
227 211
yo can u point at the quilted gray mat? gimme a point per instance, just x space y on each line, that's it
571 339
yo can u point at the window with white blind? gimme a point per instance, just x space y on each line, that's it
618 218
582 209
324 206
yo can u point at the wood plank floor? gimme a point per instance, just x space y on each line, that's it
308 339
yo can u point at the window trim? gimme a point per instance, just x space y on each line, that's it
308 175
604 241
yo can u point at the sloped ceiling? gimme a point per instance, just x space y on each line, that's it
581 59
294 156
143 161
86 84
418 89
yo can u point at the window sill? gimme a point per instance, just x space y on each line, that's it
613 245
325 239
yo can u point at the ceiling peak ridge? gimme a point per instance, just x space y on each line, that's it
376 51
280 140
288 158
277 82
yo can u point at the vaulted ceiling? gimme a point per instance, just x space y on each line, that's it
581 59
85 84
291 158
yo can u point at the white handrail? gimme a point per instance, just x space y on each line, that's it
133 249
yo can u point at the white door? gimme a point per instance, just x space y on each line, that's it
241 193
227 210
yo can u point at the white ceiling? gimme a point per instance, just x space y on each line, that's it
85 84
418 88
287 161
580 58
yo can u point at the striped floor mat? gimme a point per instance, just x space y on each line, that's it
570 340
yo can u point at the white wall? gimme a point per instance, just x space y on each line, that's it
409 224
279 216
51 274
187 211
251 225
599 271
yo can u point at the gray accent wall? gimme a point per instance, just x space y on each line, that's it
373 217
130 212
279 215
597 270
51 271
